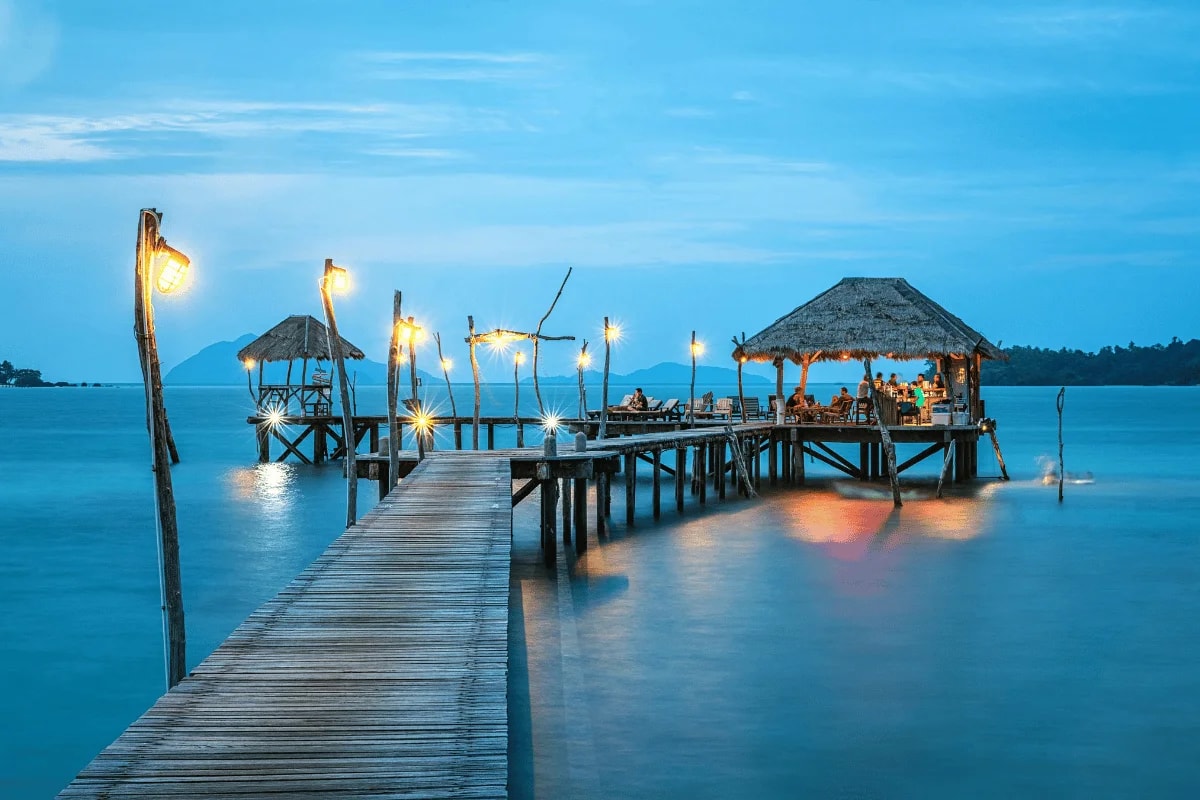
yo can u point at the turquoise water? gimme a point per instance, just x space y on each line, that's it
813 643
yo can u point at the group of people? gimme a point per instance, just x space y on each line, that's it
915 392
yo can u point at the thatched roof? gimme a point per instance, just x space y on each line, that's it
867 317
297 337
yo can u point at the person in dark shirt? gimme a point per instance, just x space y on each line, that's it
638 402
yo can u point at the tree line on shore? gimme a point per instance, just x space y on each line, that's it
1174 364
25 377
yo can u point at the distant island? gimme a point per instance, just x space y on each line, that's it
1173 364
217 365
26 378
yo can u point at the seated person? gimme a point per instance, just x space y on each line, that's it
864 387
638 402
921 382
894 383
878 380
795 402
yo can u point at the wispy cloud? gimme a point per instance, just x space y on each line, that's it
87 137
452 66
1076 22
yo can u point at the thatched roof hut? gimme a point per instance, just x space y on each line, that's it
300 336
867 318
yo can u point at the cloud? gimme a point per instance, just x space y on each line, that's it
28 40
88 137
1076 23
743 96
452 66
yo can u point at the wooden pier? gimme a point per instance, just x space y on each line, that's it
381 671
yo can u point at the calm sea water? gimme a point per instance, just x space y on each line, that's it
811 643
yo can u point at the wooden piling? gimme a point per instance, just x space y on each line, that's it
680 476
656 484
566 510
630 487
581 515
549 489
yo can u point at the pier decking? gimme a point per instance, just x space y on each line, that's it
381 671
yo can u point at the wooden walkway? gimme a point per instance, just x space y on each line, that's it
381 671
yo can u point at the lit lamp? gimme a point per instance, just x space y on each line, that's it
612 332
166 268
249 365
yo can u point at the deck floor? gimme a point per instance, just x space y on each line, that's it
380 671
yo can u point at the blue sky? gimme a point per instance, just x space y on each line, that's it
1034 167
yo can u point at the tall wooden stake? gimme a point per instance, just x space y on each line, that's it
335 351
393 391
537 341
692 386
437 337
889 448
1061 469
604 385
422 430
170 582
475 377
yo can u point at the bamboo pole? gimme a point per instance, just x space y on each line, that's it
170 581
889 448
437 337
475 377
780 403
335 351
1062 393
741 360
604 385
537 338
393 392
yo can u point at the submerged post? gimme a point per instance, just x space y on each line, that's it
152 247
334 278
1061 473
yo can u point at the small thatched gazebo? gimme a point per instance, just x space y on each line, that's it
298 338
870 318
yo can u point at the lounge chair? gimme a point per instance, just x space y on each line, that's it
671 410
751 408
723 409
864 410
840 412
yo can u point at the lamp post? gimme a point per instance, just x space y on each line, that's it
409 332
611 334
336 279
446 365
168 267
581 364
697 349
518 359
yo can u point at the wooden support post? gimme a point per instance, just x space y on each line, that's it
262 432
702 453
491 436
773 460
321 443
520 434
885 437
864 461
785 458
680 475
580 515
566 510
757 463
945 466
798 449
458 437
601 503
549 509
475 378
719 468
656 484
630 487
874 461
393 384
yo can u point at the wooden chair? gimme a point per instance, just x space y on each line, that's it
723 409
752 408
671 410
864 410
840 412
